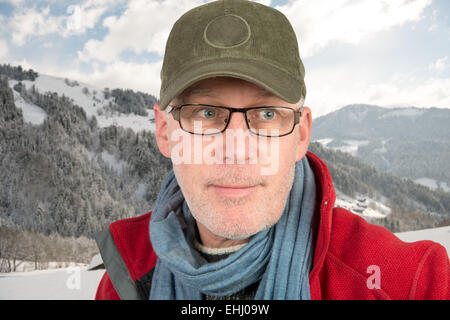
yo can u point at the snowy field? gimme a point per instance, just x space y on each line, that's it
440 235
73 283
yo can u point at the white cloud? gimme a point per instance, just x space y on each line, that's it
143 77
16 2
319 22
425 93
86 15
25 64
434 15
3 50
143 27
29 21
440 64
2 25
264 2
327 91
432 27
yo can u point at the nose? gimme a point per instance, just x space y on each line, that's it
238 149
237 121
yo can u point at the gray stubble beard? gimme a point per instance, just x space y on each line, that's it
203 212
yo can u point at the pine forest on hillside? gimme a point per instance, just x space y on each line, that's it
68 177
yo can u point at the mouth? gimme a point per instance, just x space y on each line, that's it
234 191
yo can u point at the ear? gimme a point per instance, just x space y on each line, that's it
162 138
305 133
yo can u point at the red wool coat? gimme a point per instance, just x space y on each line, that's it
352 259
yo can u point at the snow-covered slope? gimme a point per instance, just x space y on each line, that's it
349 146
406 112
89 97
363 206
433 184
31 113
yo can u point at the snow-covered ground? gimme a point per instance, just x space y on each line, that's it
73 283
412 113
349 146
362 206
440 235
324 142
26 266
433 184
31 113
89 97
352 146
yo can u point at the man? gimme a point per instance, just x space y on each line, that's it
247 212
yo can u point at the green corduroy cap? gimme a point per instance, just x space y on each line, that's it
234 38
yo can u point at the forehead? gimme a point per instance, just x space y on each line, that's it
215 87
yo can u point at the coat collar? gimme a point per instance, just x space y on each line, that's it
326 196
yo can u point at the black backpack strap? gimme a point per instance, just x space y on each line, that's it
118 272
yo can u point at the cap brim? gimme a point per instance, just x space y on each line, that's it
267 76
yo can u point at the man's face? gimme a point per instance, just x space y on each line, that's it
232 193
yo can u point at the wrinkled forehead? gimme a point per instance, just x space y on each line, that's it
214 87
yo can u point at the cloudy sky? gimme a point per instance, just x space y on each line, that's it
383 52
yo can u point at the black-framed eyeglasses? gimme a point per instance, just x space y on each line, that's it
267 121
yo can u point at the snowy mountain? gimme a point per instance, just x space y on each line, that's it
74 158
409 142
90 98
382 198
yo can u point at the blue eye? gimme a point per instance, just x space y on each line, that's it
208 113
267 114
